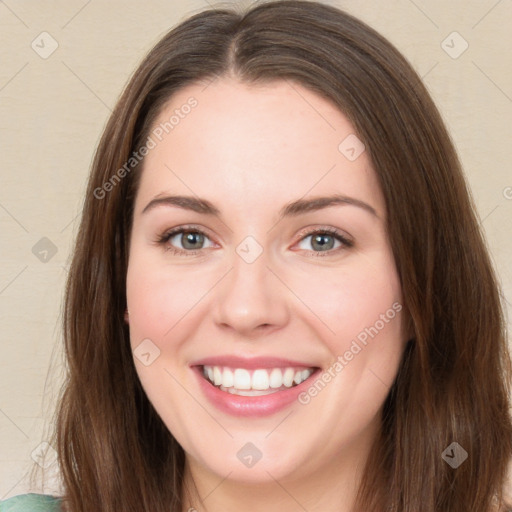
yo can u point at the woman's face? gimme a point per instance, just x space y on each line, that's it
282 271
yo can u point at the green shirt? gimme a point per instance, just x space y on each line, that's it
31 503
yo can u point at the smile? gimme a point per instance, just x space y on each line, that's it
257 382
252 387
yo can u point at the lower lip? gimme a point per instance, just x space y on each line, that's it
263 405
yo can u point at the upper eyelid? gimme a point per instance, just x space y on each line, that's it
180 229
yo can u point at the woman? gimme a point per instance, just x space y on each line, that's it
280 298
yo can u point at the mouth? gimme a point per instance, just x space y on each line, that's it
255 382
256 386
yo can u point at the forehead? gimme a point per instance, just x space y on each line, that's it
253 145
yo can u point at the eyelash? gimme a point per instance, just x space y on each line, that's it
164 238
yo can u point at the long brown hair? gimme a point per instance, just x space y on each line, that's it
114 451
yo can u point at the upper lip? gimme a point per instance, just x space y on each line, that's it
253 363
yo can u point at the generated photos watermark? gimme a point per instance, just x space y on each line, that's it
156 136
357 345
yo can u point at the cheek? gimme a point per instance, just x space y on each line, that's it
363 293
158 299
359 310
350 392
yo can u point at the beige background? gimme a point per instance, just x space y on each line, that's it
52 112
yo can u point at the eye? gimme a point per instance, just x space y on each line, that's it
190 240
323 240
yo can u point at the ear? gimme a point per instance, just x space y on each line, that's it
126 316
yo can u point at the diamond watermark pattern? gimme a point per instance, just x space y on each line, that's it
454 455
351 147
44 45
249 455
146 352
249 249
44 455
44 250
454 45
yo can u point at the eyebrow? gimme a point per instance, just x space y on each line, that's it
292 209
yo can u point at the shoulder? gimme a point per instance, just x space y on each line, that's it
31 503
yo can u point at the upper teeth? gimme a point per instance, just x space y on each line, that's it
261 379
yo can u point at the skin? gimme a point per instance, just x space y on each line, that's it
250 150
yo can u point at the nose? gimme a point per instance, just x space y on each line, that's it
251 301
